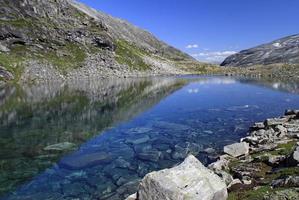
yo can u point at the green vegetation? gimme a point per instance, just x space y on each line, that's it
13 60
251 194
70 56
281 173
285 149
20 22
131 55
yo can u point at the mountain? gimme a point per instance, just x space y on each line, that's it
281 51
64 39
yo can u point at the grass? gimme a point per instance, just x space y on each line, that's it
284 149
19 23
72 57
130 55
13 60
250 194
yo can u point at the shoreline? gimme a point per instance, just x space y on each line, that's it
264 165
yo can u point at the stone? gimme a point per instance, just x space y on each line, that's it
281 131
3 48
189 180
291 112
151 155
295 156
252 140
138 140
287 194
179 152
247 171
132 197
235 182
226 177
64 146
221 164
274 160
237 149
209 150
276 121
291 181
257 126
5 74
85 160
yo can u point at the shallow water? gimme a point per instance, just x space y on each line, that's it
96 140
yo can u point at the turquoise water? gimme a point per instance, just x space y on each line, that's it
96 140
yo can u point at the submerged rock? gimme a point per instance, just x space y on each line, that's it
237 149
85 160
190 180
138 140
64 146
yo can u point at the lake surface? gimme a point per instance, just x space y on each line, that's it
97 139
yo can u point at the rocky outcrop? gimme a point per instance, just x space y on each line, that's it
284 50
237 149
189 180
64 39
263 165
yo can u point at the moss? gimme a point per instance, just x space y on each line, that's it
285 149
20 22
13 60
250 194
71 56
281 173
130 55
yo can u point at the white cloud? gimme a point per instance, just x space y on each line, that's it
214 56
192 46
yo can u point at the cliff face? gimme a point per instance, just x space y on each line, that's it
63 39
281 51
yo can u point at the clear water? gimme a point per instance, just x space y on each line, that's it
108 134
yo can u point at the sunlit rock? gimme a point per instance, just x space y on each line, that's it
189 180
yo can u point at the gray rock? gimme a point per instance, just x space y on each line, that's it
138 140
5 74
276 121
85 160
234 183
295 156
64 146
287 194
237 149
190 180
3 48
284 50
151 155
274 160
291 181
257 126
291 112
132 197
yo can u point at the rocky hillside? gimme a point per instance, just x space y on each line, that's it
281 51
63 39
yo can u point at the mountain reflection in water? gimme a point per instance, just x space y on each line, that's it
35 117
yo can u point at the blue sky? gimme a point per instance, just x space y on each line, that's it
209 30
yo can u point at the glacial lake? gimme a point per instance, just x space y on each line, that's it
97 139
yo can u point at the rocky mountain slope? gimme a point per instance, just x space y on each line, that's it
64 39
281 51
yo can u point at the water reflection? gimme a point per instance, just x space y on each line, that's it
40 123
59 126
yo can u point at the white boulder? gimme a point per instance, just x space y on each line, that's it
237 149
190 180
